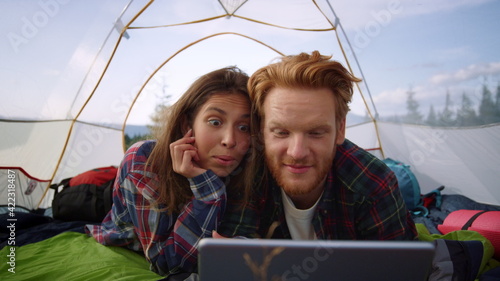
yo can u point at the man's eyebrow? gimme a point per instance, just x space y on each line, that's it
276 124
311 127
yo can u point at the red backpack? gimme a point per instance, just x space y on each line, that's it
85 197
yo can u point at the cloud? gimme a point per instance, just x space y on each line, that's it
425 7
468 80
465 74
391 101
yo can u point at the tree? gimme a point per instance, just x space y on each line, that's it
394 119
131 140
161 109
466 115
487 107
158 115
157 118
431 117
413 116
497 105
446 117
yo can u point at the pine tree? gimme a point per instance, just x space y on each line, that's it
158 115
136 138
413 116
162 108
157 118
487 107
431 117
446 116
497 105
466 115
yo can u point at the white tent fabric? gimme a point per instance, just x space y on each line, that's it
464 160
73 74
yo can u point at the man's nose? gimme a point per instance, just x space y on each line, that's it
297 147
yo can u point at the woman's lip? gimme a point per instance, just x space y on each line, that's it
224 159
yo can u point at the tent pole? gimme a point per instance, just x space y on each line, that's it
372 117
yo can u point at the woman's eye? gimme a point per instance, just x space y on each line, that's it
244 128
215 122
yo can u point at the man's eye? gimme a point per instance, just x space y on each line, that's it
215 122
280 133
316 133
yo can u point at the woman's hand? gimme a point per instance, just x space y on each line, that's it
184 156
216 234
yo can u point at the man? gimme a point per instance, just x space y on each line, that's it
316 184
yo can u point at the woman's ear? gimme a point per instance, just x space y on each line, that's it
185 127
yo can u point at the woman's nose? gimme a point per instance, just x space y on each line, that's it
229 138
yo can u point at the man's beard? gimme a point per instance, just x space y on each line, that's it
292 189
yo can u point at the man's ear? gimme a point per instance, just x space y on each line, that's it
339 139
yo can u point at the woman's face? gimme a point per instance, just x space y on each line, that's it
222 132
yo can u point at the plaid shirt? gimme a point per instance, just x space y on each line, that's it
168 241
361 201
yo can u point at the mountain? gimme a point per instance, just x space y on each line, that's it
136 130
353 119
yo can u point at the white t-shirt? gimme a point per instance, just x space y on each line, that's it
299 221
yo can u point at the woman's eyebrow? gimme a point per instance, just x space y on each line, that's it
216 109
223 112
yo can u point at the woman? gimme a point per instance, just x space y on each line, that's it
171 192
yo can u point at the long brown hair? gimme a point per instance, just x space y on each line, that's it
173 188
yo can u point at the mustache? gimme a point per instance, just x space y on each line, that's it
290 161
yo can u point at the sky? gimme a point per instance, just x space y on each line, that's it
431 47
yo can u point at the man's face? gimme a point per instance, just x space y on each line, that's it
300 137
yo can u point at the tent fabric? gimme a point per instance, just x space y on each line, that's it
465 160
21 192
75 73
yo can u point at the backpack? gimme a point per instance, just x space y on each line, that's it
85 197
410 189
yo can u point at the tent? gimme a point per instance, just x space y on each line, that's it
74 73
